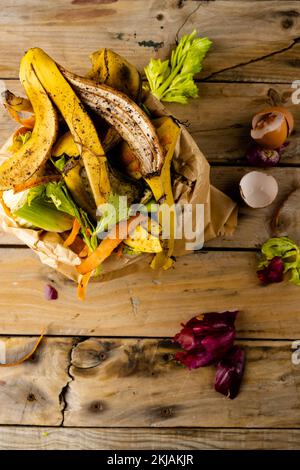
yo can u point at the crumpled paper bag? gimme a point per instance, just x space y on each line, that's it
191 184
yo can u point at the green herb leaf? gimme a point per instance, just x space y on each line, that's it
173 80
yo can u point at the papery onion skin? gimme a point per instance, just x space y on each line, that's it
258 156
205 339
50 292
230 371
274 272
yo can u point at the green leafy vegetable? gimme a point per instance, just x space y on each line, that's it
44 215
288 251
59 195
60 162
114 211
50 207
24 137
173 80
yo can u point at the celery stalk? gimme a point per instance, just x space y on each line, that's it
44 215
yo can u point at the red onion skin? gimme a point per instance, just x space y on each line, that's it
274 272
230 371
205 340
50 292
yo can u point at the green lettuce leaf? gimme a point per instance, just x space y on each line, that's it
59 195
288 251
172 80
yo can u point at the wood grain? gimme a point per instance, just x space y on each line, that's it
34 438
147 303
71 30
254 225
31 392
113 382
219 120
129 382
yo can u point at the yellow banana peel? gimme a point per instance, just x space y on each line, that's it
111 69
77 119
161 186
143 241
33 154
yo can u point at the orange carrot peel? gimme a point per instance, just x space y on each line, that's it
73 234
120 232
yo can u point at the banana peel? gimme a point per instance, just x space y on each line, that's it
77 119
168 133
143 241
72 173
111 69
125 116
33 154
65 145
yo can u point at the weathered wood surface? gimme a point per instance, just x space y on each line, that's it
130 382
142 29
120 382
146 303
31 392
35 438
219 120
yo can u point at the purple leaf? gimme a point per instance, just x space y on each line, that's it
195 359
273 272
187 339
229 373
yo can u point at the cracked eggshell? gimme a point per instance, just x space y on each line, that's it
258 189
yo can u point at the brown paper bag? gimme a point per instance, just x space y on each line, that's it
190 185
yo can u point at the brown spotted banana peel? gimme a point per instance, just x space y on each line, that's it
33 154
125 116
78 121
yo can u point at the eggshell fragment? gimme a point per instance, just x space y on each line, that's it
258 189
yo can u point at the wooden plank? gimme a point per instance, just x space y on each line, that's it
146 303
111 382
254 225
71 30
220 120
31 392
129 382
32 438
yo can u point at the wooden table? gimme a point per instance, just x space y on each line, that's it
104 377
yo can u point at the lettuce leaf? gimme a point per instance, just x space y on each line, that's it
288 251
46 203
172 80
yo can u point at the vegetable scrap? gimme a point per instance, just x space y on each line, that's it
26 356
209 339
279 256
172 80
50 292
63 165
270 130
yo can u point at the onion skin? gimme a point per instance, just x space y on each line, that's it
274 272
276 136
258 156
